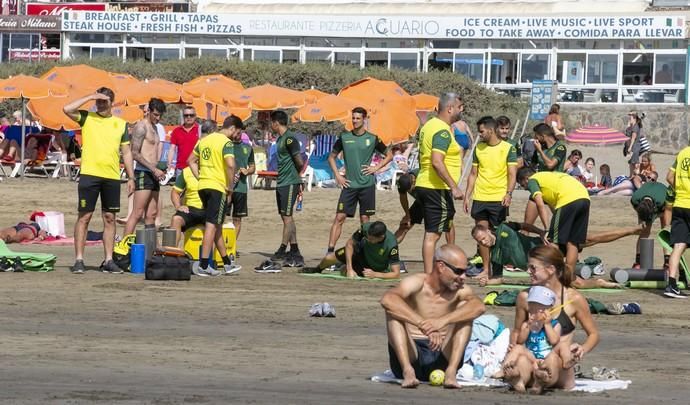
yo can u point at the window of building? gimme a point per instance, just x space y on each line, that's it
348 58
161 54
375 58
394 43
97 52
139 54
333 42
405 60
504 68
670 69
271 41
643 44
588 44
264 55
637 69
290 56
440 61
570 68
214 53
470 65
319 56
602 69
521 44
211 40
534 67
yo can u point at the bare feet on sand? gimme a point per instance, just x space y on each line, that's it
409 379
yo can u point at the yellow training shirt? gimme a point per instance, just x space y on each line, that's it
436 136
557 189
492 170
681 170
101 138
212 151
188 184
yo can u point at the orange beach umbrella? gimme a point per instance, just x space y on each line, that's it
268 97
425 102
329 108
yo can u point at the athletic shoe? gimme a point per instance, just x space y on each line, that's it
279 255
6 265
316 310
201 272
599 269
615 308
476 259
111 267
78 267
230 269
18 266
268 267
403 268
296 260
328 310
674 292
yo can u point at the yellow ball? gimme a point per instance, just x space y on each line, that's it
437 377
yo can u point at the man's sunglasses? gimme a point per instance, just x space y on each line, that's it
189 115
456 270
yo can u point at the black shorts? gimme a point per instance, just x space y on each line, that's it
215 204
492 212
358 261
416 213
194 217
350 197
438 208
569 223
286 197
680 226
90 187
427 361
238 205
144 180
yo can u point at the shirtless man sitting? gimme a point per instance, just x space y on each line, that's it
429 319
147 175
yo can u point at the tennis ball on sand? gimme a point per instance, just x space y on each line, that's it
437 377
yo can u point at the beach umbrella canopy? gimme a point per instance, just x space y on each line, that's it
89 78
314 94
141 92
328 108
268 97
48 111
372 92
28 87
425 102
596 135
197 87
391 121
208 110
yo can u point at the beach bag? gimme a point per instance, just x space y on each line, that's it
644 145
175 268
121 252
52 222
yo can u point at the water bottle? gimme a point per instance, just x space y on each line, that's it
299 202
478 371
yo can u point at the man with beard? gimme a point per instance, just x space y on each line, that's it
491 183
440 161
429 319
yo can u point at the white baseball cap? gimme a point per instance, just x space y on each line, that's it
541 295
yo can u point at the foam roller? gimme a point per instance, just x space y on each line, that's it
646 253
658 285
646 275
583 271
618 275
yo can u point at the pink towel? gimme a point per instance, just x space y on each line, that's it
59 242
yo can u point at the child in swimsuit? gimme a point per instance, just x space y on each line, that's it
539 334
21 232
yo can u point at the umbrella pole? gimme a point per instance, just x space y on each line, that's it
21 162
468 164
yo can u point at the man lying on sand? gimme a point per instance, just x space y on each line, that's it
435 312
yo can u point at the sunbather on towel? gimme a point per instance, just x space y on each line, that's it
429 319
371 252
21 232
509 246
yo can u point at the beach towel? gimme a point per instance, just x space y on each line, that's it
581 384
340 277
41 262
515 274
52 241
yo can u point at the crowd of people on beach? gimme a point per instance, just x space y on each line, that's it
428 315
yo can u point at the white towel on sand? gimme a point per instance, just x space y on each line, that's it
581 384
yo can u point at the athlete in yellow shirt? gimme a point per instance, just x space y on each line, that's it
103 137
440 162
490 183
679 178
213 163
569 200
190 211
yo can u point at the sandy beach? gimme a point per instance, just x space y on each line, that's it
248 339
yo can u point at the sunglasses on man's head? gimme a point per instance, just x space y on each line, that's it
456 270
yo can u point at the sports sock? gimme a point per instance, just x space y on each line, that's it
666 259
672 282
226 260
204 263
282 247
637 258
294 248
331 249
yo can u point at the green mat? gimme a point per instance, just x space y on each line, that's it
515 274
664 239
41 262
520 287
339 277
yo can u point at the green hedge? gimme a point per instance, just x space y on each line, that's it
478 100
